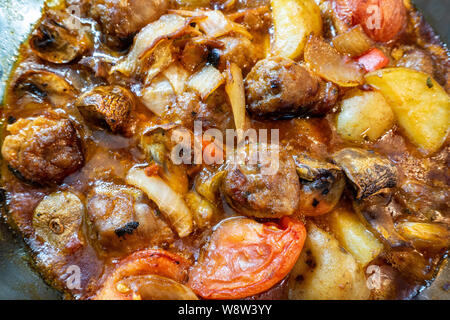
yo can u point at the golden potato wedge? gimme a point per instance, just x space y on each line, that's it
294 21
354 236
420 104
364 115
325 271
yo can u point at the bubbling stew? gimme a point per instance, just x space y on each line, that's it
230 149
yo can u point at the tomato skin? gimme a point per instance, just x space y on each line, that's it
345 10
382 20
150 261
245 258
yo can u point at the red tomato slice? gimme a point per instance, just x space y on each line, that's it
245 258
140 263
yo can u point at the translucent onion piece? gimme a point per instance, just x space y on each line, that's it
425 235
155 287
236 93
177 76
331 65
216 23
206 81
168 201
160 59
167 27
354 42
158 95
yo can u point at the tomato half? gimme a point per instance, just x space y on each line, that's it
245 257
136 267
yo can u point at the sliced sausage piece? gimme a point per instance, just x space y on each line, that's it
250 191
123 18
279 87
42 150
121 220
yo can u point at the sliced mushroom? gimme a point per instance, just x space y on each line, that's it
369 172
58 39
44 85
203 211
159 144
429 203
377 213
321 185
107 106
207 183
57 221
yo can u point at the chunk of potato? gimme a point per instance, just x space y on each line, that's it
325 271
294 21
420 105
354 236
364 115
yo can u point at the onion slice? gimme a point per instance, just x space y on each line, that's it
324 60
156 287
162 57
177 75
354 42
168 201
169 26
216 23
158 95
235 89
206 81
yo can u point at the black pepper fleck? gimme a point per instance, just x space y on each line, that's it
315 202
127 229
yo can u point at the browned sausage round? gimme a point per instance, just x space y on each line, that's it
42 150
123 18
278 86
253 192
